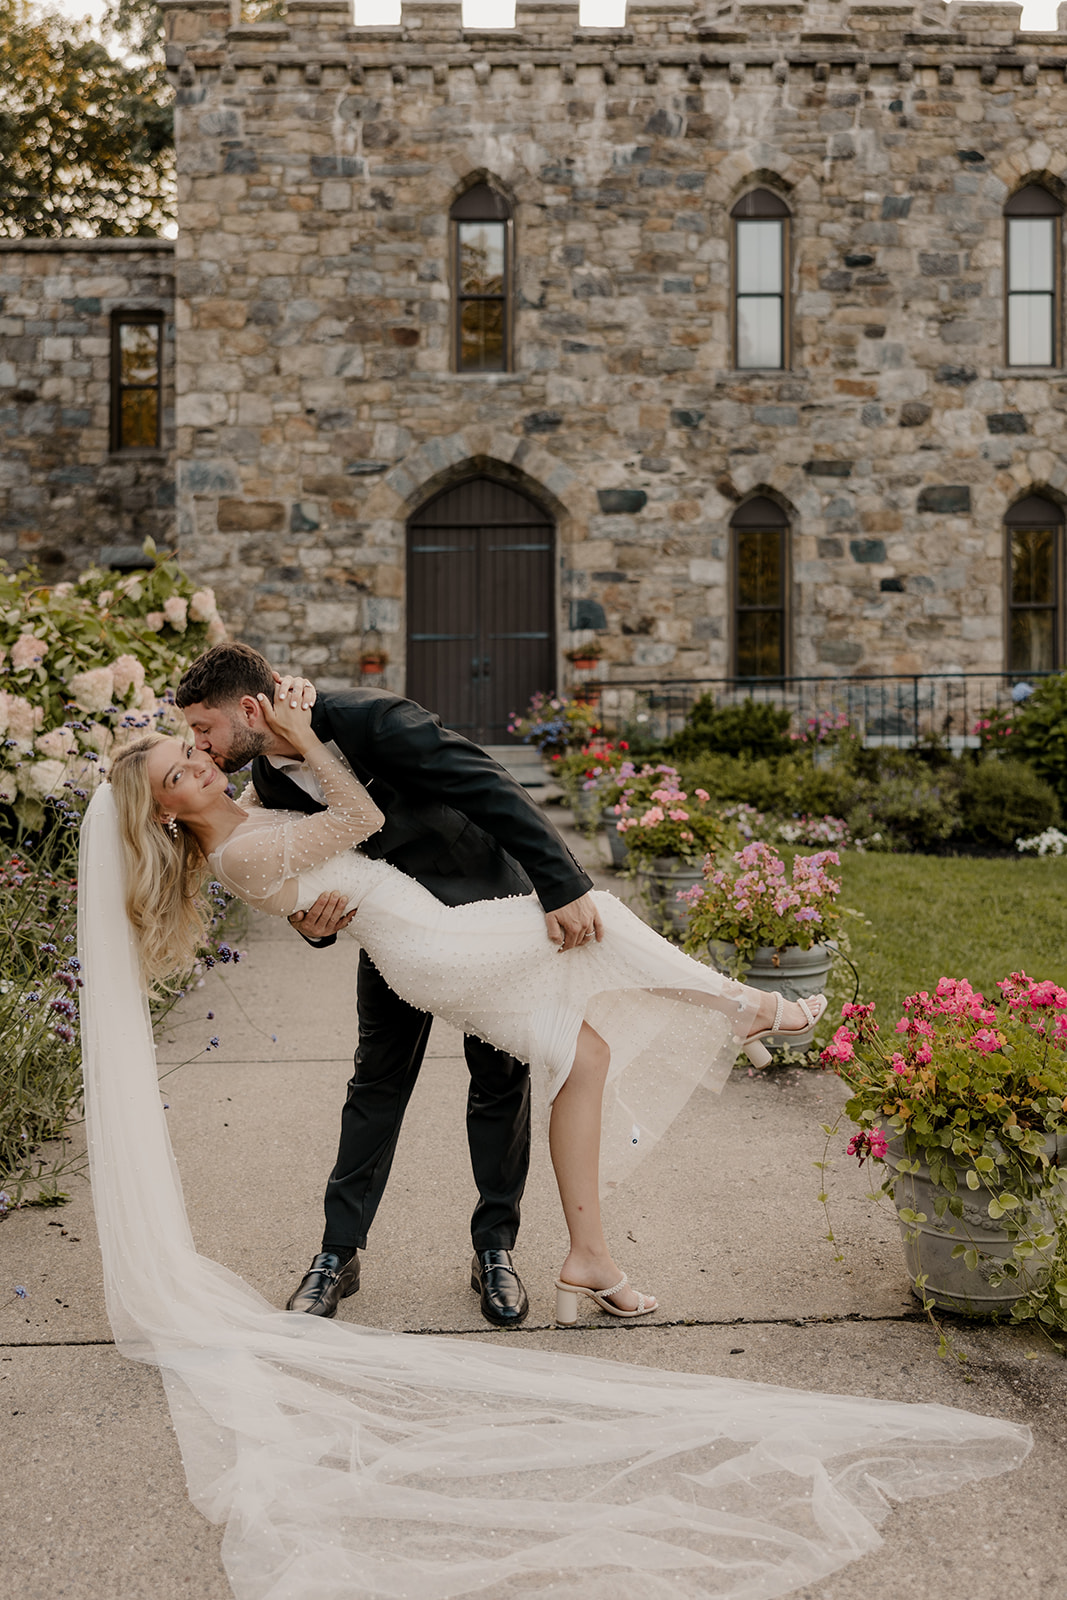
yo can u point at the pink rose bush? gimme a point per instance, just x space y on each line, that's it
749 901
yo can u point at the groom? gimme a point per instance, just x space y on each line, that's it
461 826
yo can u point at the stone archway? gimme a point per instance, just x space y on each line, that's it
481 604
557 495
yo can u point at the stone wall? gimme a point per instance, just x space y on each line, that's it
316 407
64 496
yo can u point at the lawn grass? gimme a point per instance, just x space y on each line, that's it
959 917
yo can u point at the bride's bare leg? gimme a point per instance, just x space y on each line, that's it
574 1141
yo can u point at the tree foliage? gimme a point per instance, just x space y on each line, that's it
86 136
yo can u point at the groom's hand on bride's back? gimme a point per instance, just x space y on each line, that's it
326 918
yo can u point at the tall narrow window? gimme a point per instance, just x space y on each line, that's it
136 379
1035 539
1032 218
481 224
761 237
759 529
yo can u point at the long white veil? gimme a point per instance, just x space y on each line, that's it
347 1462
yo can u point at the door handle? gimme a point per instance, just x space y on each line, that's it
485 666
476 666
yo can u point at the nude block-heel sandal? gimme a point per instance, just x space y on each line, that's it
758 1053
567 1301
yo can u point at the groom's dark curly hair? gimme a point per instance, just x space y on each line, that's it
225 673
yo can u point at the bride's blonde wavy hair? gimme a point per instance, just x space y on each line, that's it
164 874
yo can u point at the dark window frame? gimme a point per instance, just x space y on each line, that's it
761 514
1030 516
482 203
762 205
119 320
1031 202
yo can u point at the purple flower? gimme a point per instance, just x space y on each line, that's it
213 1044
211 1016
20 1291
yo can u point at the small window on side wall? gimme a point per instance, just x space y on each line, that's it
136 380
761 250
1035 562
481 229
1032 249
759 530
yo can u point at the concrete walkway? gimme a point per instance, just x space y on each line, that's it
722 1222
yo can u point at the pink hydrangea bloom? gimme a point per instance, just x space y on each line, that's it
176 612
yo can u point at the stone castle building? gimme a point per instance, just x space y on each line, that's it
731 340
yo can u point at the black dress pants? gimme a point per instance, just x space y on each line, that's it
392 1043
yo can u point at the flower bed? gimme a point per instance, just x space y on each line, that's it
84 665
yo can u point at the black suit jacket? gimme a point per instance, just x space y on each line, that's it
454 819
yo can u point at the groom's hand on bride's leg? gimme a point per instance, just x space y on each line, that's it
571 925
325 919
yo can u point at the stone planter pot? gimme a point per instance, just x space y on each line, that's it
928 1245
794 973
587 809
616 841
659 882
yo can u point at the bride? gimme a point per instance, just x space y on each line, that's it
348 1463
630 1010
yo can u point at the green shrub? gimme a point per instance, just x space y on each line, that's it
1001 801
752 728
1038 732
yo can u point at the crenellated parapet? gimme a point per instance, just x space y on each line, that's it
659 36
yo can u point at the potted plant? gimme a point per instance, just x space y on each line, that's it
589 777
554 723
373 660
966 1104
585 657
668 836
756 923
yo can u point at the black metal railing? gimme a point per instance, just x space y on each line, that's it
893 710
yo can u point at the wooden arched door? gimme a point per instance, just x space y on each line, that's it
481 606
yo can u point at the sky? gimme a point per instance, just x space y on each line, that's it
501 13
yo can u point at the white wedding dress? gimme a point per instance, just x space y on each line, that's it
490 969
351 1464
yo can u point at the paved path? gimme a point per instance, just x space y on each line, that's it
721 1222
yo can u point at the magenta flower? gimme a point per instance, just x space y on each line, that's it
987 1040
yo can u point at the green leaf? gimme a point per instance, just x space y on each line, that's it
973 1180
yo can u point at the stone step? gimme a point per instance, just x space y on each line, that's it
525 765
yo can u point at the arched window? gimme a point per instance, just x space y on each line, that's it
481 229
761 251
1032 250
759 530
1035 556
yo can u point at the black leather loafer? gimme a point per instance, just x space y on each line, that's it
325 1284
504 1301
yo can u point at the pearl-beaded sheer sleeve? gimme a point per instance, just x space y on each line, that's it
263 857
